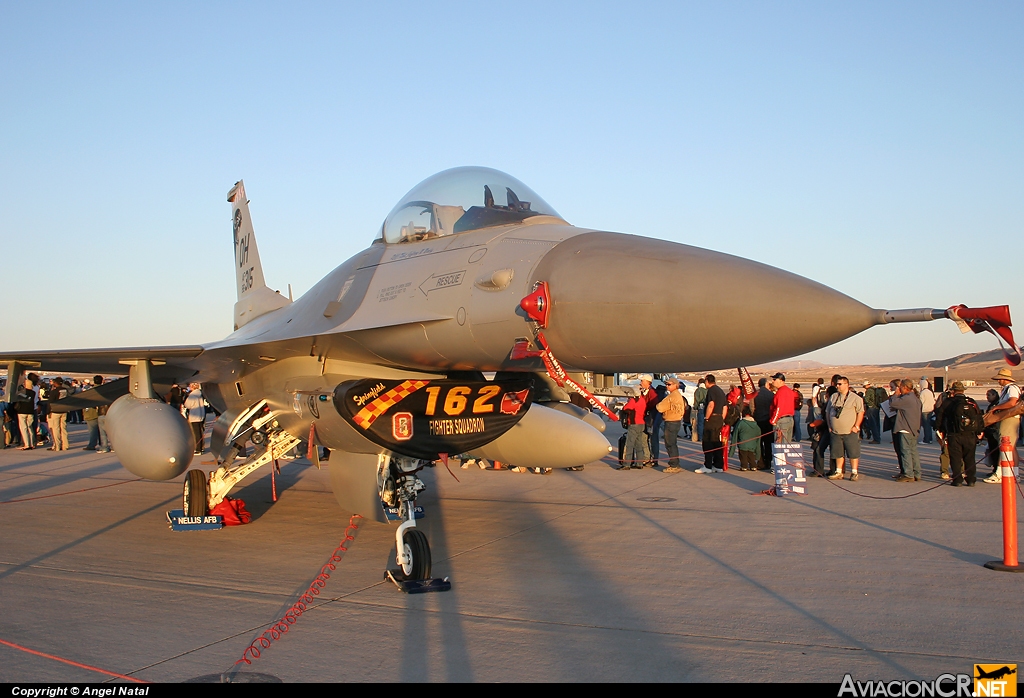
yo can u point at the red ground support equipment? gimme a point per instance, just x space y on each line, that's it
1009 475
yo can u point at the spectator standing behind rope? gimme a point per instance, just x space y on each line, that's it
955 420
25 406
845 413
907 404
672 409
782 409
992 433
1009 396
871 404
798 403
58 420
699 396
927 408
746 438
195 407
944 470
655 422
101 420
814 407
763 416
714 420
889 421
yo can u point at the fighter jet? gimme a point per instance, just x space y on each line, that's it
384 360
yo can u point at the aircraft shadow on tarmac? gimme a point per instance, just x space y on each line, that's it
159 506
47 482
768 592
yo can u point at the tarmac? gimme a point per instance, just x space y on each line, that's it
597 575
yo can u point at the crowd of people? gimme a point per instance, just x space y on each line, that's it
29 422
838 419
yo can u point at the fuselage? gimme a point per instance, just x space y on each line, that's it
451 304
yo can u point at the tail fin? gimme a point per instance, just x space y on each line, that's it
254 297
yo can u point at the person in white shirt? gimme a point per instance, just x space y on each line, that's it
927 408
195 408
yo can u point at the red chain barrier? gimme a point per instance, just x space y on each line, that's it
71 663
282 625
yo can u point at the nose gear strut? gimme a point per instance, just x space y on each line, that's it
399 486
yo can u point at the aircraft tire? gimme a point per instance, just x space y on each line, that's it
194 495
420 549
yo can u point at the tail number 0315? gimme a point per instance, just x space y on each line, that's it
458 397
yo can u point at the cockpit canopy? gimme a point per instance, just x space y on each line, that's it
461 199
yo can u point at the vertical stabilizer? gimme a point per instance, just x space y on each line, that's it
254 298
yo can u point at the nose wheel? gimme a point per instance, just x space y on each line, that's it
416 565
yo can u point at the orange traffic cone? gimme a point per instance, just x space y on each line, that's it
1008 473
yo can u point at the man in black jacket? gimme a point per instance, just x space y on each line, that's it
25 406
961 441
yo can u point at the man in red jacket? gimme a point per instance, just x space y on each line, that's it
782 409
636 439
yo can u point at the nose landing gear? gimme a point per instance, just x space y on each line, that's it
399 486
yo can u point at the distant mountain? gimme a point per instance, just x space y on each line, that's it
791 365
977 357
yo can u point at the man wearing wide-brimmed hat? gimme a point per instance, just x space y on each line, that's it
1008 426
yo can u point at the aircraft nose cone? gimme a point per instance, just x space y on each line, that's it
624 302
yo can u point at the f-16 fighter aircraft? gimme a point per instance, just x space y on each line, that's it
383 360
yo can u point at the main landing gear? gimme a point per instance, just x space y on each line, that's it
200 494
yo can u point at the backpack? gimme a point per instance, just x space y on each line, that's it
732 414
822 399
625 417
965 417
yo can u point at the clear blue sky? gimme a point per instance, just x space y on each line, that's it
876 147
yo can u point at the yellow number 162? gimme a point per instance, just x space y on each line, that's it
457 399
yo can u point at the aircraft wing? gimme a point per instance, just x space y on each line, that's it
99 360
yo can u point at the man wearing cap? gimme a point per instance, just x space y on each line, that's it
783 405
672 408
960 442
1008 426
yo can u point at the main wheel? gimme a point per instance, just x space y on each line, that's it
418 549
193 496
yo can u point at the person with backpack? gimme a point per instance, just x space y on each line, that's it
958 421
814 405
